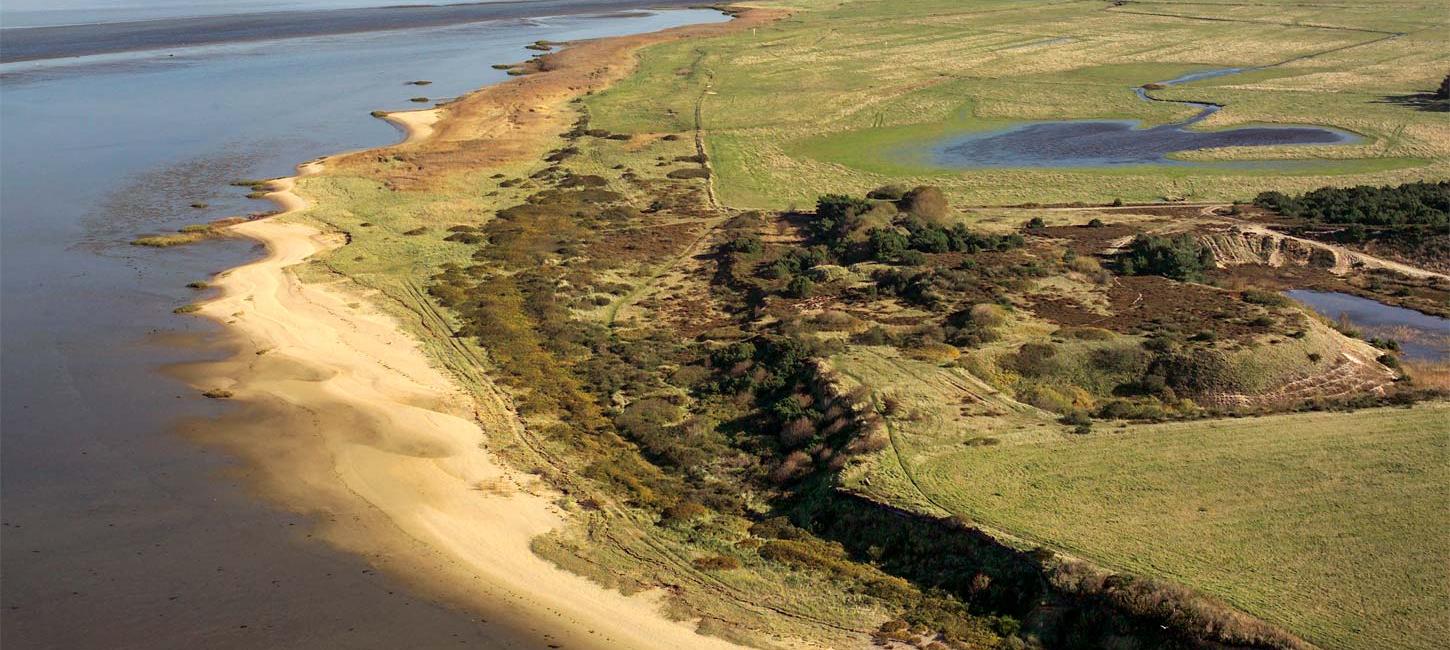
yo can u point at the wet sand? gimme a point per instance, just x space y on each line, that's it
366 433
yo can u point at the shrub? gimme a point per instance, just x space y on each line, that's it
834 212
692 172
926 202
1265 298
745 244
886 244
1181 257
716 563
1090 267
1096 223
1034 359
683 511
1086 333
800 286
892 192
987 315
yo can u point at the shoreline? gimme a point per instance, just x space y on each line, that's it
68 42
349 420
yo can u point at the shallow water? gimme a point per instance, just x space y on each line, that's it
1422 337
182 27
1106 143
117 532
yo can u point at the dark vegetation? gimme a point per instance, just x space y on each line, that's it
1420 204
1181 257
743 421
1411 221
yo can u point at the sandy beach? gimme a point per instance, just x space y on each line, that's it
345 417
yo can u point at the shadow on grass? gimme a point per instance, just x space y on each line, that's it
1430 102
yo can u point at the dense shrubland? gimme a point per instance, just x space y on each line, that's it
1422 203
745 422
1410 220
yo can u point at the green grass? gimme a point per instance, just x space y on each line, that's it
841 97
1332 525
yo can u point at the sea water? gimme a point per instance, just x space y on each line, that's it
117 532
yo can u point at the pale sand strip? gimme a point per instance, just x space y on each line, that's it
395 435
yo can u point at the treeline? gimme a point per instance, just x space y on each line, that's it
1420 203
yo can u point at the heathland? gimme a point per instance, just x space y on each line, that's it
770 370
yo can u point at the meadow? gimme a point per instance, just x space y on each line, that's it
842 97
1328 524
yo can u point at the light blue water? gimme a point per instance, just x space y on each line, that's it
1109 143
1421 337
39 13
116 532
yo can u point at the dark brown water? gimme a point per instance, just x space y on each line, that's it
115 530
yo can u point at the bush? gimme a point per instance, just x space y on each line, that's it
1034 359
1265 298
987 315
926 202
800 286
886 244
716 563
891 192
683 511
1090 267
1181 257
692 172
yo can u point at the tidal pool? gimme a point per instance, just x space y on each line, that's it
1100 143
1422 337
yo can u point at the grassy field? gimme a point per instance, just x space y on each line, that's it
843 96
1330 524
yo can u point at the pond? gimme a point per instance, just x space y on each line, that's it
1098 143
1422 337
